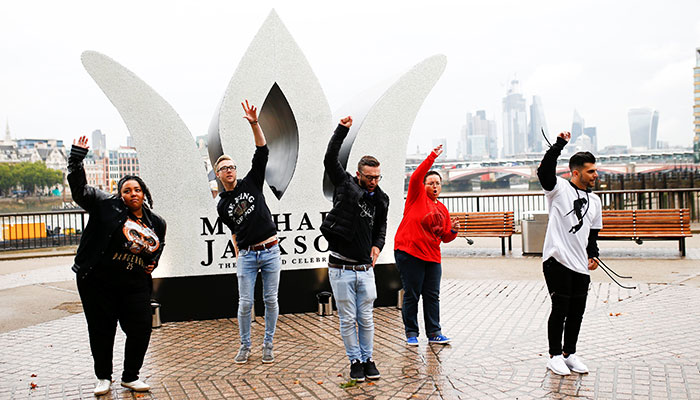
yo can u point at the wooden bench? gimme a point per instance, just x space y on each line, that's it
487 224
639 225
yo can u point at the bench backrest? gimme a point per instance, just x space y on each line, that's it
488 223
640 223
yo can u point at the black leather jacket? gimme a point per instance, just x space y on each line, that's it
107 214
342 220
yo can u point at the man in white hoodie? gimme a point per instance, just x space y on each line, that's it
570 249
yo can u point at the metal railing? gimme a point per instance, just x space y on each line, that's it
519 203
62 228
33 230
522 203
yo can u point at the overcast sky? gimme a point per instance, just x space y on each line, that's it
598 57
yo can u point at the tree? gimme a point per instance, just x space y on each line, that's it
8 179
30 176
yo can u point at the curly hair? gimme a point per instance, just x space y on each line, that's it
144 188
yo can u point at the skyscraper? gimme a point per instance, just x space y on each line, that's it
479 137
8 137
643 124
577 126
592 133
696 105
99 143
515 133
537 123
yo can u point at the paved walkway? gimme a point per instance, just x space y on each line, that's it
642 343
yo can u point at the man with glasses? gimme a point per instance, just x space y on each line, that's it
570 249
355 229
243 209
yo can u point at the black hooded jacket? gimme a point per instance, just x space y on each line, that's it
107 215
341 221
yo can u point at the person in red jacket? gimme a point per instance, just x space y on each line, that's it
425 224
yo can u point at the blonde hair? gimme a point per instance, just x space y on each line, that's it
219 160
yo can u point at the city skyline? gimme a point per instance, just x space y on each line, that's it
601 72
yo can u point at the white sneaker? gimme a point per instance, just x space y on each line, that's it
558 365
575 364
102 387
137 386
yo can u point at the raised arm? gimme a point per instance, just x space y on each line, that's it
415 184
334 169
547 171
261 155
251 114
85 196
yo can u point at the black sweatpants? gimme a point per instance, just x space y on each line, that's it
568 291
107 300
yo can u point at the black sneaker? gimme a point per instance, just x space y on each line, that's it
357 371
371 371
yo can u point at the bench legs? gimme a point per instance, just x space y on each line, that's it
503 245
681 246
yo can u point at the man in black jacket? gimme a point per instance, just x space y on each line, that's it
570 249
243 209
355 229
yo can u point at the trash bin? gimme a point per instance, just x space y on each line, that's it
399 299
325 303
155 313
534 227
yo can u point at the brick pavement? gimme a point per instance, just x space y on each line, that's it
642 343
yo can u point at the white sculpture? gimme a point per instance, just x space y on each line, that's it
296 118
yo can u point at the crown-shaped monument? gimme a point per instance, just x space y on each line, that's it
297 121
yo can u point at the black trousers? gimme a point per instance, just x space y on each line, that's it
107 301
419 278
568 291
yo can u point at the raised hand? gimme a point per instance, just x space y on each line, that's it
81 142
251 113
438 150
346 122
565 135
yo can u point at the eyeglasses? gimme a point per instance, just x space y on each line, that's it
372 177
227 168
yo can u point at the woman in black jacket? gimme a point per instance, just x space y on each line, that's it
118 250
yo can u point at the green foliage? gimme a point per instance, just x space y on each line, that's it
350 383
28 176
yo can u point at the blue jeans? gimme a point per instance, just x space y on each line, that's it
419 278
248 264
355 293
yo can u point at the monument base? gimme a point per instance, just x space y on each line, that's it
216 296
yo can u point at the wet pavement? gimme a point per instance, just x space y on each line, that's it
641 343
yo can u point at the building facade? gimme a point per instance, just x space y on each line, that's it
537 124
515 133
696 105
643 125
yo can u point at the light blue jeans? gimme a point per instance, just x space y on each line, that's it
248 264
355 293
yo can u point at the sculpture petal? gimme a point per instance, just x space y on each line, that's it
275 74
169 161
382 127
